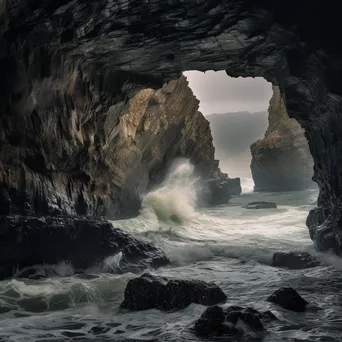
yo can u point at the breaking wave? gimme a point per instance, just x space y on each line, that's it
174 201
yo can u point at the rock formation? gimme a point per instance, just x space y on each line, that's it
101 53
228 322
29 243
281 161
289 299
294 260
74 153
153 292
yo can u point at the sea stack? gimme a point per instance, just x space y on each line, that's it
281 161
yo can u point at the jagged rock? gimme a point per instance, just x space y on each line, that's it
84 242
234 185
260 205
217 321
294 260
72 66
152 292
289 299
102 166
281 161
218 190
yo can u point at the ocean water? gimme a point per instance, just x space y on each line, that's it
228 245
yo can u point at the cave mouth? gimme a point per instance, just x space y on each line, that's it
93 58
253 136
160 41
236 109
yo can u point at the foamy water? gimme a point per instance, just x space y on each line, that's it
229 245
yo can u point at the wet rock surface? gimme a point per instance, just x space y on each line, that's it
91 58
153 292
281 161
82 242
294 260
218 190
75 159
289 299
260 205
217 321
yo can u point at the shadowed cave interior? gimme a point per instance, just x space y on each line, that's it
76 80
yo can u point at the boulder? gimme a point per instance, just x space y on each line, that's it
82 242
152 292
260 205
294 260
289 299
217 321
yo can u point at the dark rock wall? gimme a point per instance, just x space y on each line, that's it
69 148
281 161
122 47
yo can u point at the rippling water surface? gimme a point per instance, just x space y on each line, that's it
229 245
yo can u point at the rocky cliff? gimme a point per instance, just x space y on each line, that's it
71 152
116 49
281 161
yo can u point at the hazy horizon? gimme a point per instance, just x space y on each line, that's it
221 94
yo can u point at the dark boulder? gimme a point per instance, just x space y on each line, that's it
83 242
294 260
213 323
260 205
217 321
152 292
289 299
218 190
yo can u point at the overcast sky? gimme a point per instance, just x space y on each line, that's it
219 93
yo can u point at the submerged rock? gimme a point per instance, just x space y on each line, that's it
83 242
294 260
260 205
152 292
217 321
218 190
289 299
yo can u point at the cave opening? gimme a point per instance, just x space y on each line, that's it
236 109
253 135
110 75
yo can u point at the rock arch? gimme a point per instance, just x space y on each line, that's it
120 47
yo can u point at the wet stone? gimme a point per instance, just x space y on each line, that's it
289 299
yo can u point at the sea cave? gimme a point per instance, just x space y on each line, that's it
94 112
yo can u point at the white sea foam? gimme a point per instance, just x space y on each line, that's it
173 202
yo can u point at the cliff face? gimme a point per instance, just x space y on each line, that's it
119 48
71 152
281 161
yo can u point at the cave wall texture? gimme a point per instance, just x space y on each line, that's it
281 161
120 47
73 154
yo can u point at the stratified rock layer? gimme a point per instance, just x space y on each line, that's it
74 152
104 52
281 161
